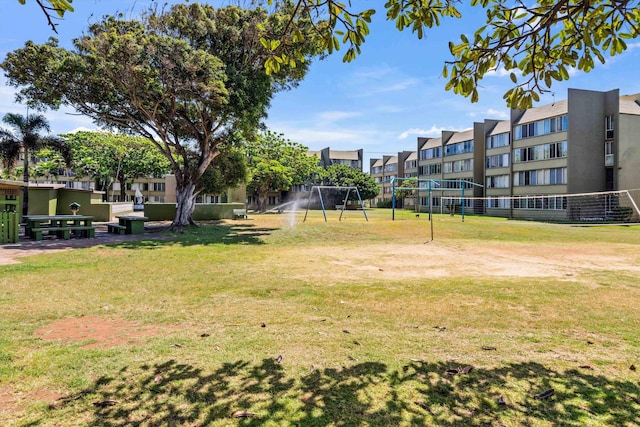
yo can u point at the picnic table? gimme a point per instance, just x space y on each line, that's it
63 226
129 224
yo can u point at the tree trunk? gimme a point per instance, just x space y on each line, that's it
123 192
186 203
262 201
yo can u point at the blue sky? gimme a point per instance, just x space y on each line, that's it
381 102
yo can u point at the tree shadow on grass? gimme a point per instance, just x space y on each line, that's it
244 234
368 393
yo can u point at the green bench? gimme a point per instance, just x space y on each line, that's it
116 228
64 232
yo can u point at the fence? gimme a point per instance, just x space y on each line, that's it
9 221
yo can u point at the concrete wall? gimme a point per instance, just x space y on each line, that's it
202 212
627 173
43 201
585 158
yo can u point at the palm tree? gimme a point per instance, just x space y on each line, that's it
25 137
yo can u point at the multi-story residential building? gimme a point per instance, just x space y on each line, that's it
527 165
383 171
328 157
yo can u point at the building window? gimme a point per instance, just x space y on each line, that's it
158 187
608 127
391 167
498 161
540 202
608 153
554 176
540 152
410 164
431 153
376 170
499 140
459 148
499 181
542 127
498 203
434 169
458 166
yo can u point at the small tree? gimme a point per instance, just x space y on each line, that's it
25 138
407 189
50 164
228 170
277 164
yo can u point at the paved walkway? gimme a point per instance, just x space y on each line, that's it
26 247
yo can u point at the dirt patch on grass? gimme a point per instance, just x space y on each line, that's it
97 332
483 259
11 400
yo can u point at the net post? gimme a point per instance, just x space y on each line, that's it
463 186
393 199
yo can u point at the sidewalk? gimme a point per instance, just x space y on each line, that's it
27 247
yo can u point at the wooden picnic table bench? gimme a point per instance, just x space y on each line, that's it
63 226
132 224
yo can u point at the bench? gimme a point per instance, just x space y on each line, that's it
116 228
64 232
239 213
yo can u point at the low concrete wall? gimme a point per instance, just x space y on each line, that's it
202 212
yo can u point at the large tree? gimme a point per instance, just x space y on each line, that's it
277 164
24 137
190 79
107 157
537 42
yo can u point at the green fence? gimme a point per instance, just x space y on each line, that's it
9 221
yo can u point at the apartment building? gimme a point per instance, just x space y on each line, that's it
328 157
527 165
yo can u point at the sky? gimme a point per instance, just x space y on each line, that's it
381 102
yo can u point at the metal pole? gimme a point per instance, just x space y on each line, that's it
344 204
362 205
429 200
463 185
393 199
324 211
430 216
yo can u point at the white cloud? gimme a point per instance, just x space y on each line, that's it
393 86
491 113
334 116
374 73
433 131
631 46
500 72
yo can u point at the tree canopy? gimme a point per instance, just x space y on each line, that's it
190 80
276 164
537 42
106 158
24 136
345 176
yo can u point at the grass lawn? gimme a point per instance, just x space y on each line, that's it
344 323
